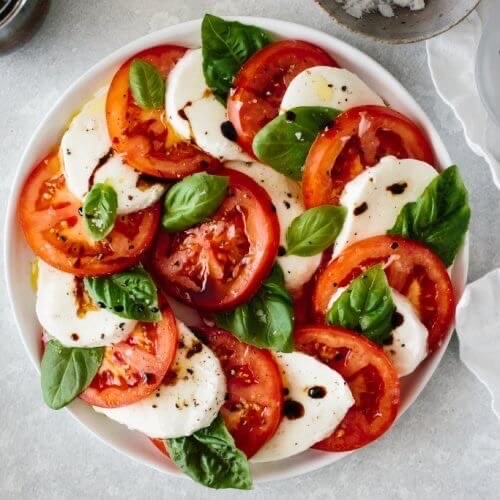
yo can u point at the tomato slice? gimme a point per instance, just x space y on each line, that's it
50 219
254 401
411 268
262 81
370 375
143 137
135 367
221 263
358 138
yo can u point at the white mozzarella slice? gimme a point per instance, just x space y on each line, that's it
321 415
193 111
407 346
67 313
188 403
133 194
86 144
375 197
286 196
331 87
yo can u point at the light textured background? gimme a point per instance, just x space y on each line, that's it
446 445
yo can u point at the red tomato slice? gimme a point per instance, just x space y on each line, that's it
144 136
370 375
135 367
54 229
253 408
262 81
359 138
411 269
221 263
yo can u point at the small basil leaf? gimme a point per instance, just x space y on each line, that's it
315 230
211 458
193 200
67 371
439 218
146 84
285 141
366 306
267 320
130 294
99 210
226 45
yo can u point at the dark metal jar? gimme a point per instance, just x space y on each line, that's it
19 19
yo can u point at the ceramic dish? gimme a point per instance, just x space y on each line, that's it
18 256
405 26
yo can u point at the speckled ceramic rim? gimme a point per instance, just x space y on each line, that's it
18 255
396 40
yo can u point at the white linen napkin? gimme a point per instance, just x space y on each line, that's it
478 330
451 57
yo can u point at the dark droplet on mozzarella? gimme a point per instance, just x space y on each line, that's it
194 349
228 131
293 410
361 208
316 392
397 188
397 319
281 251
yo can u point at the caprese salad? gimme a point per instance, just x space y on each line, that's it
274 196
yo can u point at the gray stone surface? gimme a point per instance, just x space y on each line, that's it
447 445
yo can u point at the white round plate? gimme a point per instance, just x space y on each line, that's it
18 256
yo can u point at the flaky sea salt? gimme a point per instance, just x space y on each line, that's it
357 8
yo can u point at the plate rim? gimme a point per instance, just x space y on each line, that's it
79 410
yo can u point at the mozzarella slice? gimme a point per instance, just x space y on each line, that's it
133 192
305 377
407 345
331 87
86 145
375 197
68 314
286 196
193 111
189 402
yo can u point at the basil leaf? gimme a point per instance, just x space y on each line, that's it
285 141
147 85
226 45
211 458
439 218
130 294
366 306
267 320
193 200
315 230
99 210
67 371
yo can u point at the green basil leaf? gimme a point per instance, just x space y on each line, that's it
193 200
285 141
226 45
147 85
130 294
315 230
439 218
267 320
67 371
366 306
211 458
99 210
